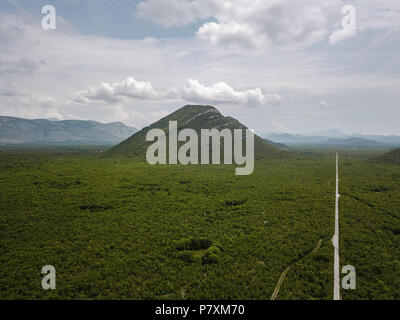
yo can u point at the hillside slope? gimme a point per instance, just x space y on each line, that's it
196 117
41 131
390 157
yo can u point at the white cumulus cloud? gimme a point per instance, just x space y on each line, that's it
231 34
242 23
107 92
221 92
268 23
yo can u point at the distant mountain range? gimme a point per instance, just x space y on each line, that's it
50 131
335 138
196 117
68 132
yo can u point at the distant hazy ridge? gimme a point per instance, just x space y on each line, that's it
18 130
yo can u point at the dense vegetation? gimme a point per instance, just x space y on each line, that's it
370 226
112 227
120 228
390 157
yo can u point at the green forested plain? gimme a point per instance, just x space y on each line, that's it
118 228
370 226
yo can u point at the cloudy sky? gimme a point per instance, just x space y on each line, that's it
275 65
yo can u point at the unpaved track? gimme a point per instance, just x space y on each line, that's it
335 239
283 275
335 242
